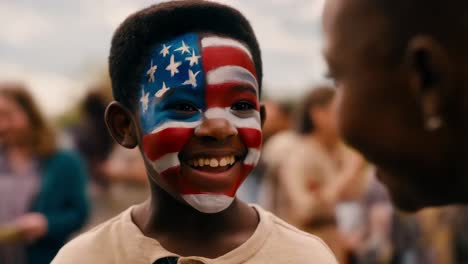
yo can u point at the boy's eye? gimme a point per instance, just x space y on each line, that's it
243 106
184 108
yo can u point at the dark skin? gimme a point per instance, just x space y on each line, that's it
165 216
392 81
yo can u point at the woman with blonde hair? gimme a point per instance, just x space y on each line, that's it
42 189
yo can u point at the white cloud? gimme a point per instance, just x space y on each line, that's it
109 13
311 11
291 52
22 25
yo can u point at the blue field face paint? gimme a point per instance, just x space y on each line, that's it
173 65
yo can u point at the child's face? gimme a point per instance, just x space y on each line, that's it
200 117
15 125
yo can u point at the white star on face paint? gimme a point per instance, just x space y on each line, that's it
163 90
184 48
151 72
193 59
144 99
192 78
173 66
165 50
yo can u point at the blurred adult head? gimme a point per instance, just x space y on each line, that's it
21 122
278 118
93 140
317 113
401 67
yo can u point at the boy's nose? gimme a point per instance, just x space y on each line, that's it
216 128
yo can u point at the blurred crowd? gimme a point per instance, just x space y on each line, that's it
61 177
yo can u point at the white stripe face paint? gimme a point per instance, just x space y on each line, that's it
166 162
231 73
252 158
238 122
208 203
227 42
170 160
175 124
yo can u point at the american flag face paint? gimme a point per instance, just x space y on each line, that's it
187 81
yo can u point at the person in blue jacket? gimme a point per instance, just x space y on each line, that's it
42 189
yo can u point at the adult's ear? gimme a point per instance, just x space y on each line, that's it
121 125
263 114
430 79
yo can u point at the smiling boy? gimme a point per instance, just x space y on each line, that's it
186 77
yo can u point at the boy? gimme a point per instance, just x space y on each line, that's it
186 76
401 69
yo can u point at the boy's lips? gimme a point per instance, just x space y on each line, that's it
213 172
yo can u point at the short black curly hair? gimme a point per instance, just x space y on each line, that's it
134 38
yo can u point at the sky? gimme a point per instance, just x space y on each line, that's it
60 48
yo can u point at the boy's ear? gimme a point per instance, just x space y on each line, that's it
121 125
263 114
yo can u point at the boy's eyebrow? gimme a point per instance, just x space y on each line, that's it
245 88
238 88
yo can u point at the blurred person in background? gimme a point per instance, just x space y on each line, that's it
383 234
377 244
402 70
279 118
437 237
118 175
260 185
42 189
91 138
277 143
128 183
92 141
319 171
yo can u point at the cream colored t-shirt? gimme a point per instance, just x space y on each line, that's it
119 240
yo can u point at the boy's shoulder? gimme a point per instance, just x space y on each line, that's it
293 244
96 245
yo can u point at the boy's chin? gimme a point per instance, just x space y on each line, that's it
205 203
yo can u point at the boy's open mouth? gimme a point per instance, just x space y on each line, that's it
213 163
212 171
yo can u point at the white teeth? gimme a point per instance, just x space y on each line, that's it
223 162
213 162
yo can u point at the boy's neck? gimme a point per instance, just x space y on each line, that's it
185 231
